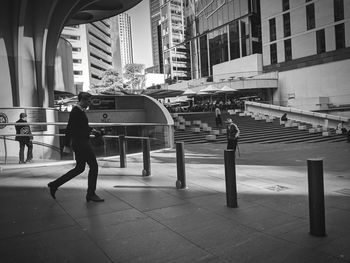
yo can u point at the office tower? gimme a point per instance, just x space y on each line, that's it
175 51
156 37
92 51
121 41
222 31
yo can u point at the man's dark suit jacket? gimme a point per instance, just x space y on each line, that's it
78 129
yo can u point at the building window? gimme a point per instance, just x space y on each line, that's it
76 49
234 40
339 36
338 10
78 72
79 61
310 16
320 41
286 24
204 56
285 5
244 39
272 23
287 49
70 37
273 53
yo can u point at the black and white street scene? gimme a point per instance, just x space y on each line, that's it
175 131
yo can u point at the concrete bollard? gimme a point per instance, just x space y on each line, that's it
180 163
146 148
316 197
122 151
230 178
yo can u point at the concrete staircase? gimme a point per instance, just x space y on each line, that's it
254 129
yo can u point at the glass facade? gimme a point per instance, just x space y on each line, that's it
215 31
234 40
225 30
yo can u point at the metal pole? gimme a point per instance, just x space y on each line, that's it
104 146
230 178
146 148
122 151
5 146
316 197
180 162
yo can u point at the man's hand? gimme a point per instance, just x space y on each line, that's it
67 149
98 133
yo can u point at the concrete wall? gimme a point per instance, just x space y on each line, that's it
241 67
295 114
308 84
64 77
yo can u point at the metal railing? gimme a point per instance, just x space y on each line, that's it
121 139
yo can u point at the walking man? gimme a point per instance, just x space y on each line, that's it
24 140
78 136
232 135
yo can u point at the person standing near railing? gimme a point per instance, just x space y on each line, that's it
24 140
78 137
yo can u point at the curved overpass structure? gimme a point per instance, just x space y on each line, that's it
29 33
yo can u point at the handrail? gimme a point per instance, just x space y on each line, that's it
107 124
298 111
3 136
62 135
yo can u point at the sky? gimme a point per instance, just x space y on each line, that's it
141 33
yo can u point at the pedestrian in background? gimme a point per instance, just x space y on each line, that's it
218 119
232 134
78 137
24 140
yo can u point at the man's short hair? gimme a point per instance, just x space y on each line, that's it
22 115
84 95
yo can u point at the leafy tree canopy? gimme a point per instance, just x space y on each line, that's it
110 83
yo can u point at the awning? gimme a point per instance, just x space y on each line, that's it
162 93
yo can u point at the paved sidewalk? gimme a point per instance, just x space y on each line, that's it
146 219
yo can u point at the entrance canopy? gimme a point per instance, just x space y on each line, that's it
162 93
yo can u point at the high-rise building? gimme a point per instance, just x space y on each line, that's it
92 51
175 52
121 41
156 40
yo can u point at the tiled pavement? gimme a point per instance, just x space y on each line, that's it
146 219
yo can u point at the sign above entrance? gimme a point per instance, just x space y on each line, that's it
3 119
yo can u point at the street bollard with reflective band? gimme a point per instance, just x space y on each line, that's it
146 148
230 178
122 151
180 162
316 197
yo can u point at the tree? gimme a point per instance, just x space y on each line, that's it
110 83
134 75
